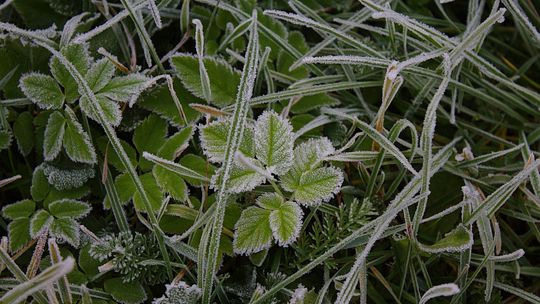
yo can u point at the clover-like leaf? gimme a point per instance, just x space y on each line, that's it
252 231
69 208
40 221
54 135
66 229
274 142
77 142
214 140
20 209
456 240
316 186
42 90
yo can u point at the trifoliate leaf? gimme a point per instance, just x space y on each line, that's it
23 129
274 142
456 240
77 142
18 233
42 90
286 222
66 229
20 209
125 88
78 55
100 74
40 221
69 208
54 135
224 80
152 191
316 186
125 293
252 231
110 108
214 140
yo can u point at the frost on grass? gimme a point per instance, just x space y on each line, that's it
443 290
457 240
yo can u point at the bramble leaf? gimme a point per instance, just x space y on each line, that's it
316 186
110 108
252 231
66 229
68 208
40 221
285 219
77 142
241 179
125 88
100 74
20 209
214 140
274 142
42 90
19 233
78 55
54 136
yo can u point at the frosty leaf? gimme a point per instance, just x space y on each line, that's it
171 183
176 143
149 137
224 80
456 240
100 74
65 179
20 209
110 109
443 290
78 55
54 135
315 186
309 154
66 229
180 293
214 140
18 233
40 221
241 179
42 90
270 201
69 208
286 222
125 88
252 231
40 186
274 142
77 142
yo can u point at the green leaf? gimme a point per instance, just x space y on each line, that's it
169 150
54 136
311 102
286 222
125 88
100 74
125 188
316 186
171 183
19 233
20 209
152 190
214 140
111 156
40 185
42 90
23 129
66 229
78 55
126 293
274 142
149 137
199 165
224 80
252 231
241 178
110 108
39 222
69 208
457 240
77 142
